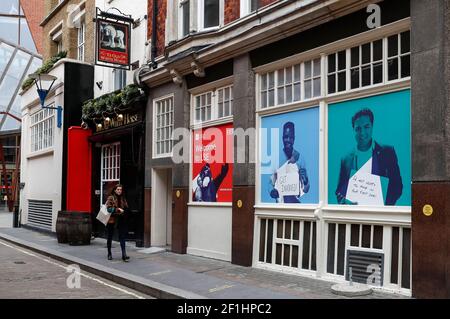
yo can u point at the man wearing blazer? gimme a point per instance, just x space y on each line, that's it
384 162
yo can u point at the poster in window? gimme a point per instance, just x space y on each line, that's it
212 168
289 157
369 151
113 42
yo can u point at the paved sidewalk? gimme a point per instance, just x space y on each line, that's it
168 275
6 218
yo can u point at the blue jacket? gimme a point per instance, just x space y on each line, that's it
384 163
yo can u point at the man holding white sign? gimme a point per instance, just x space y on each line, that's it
366 169
290 181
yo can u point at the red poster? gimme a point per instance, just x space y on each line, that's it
212 173
113 42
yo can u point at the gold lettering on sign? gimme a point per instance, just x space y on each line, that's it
127 119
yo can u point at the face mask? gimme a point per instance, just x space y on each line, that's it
206 181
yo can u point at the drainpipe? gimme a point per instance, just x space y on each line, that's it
154 49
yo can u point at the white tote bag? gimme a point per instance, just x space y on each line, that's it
103 215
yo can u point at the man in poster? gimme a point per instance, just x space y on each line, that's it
290 181
207 185
369 162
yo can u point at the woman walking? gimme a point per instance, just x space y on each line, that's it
117 205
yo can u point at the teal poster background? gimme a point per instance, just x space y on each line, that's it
306 123
392 127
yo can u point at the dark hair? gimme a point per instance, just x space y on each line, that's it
113 191
360 113
288 125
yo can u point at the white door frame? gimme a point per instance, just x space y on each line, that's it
161 210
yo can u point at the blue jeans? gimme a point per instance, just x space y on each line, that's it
121 227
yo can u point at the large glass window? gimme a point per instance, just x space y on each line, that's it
164 122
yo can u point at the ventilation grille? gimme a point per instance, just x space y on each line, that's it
367 267
40 213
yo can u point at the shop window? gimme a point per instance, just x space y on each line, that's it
42 129
111 162
163 126
184 13
291 84
213 105
81 40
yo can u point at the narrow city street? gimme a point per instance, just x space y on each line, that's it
28 275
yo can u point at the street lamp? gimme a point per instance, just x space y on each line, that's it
44 83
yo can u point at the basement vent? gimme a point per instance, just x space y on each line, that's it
367 267
40 213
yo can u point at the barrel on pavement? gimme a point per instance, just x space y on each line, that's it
79 228
61 227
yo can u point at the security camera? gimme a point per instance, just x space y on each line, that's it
99 84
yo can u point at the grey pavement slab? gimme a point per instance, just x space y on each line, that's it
168 275
6 219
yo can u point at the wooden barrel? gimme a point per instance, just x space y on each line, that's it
79 228
61 227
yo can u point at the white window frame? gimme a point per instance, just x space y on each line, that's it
155 140
181 18
213 88
42 130
201 16
122 74
81 40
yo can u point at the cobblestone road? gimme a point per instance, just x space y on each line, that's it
28 275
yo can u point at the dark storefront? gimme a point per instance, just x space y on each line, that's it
118 145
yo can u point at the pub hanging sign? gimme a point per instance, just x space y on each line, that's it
113 44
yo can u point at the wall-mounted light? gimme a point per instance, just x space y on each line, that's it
44 83
107 120
120 117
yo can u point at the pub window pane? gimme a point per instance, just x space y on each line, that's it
317 67
316 87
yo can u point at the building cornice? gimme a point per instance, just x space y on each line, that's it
270 25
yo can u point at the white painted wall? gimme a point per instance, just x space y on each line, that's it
139 50
209 231
42 171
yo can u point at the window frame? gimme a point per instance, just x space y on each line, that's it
42 130
181 21
155 127
201 16
212 88
81 40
